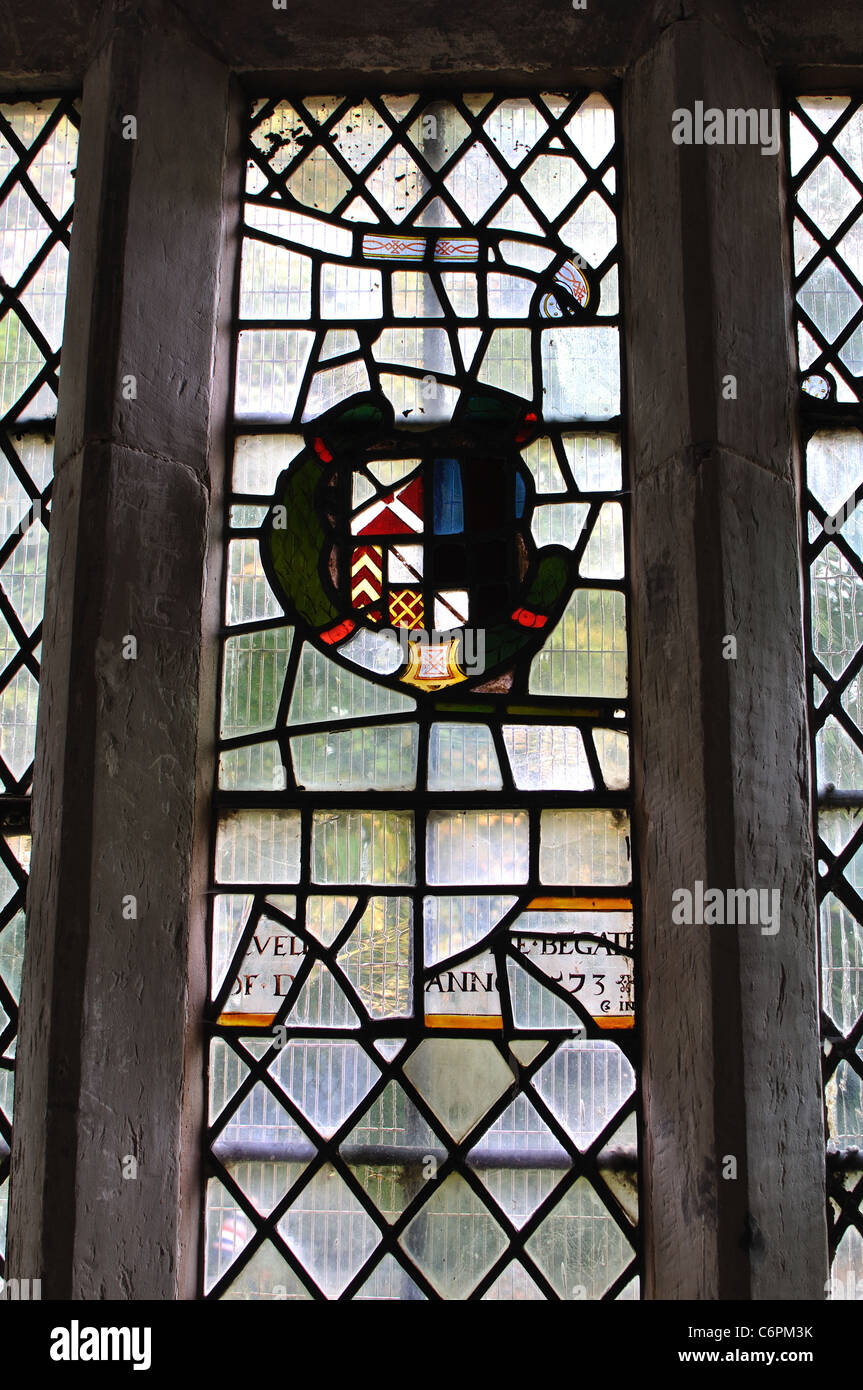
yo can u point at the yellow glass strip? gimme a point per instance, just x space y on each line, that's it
614 1020
579 905
464 1021
246 1020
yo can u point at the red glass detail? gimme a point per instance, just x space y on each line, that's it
322 451
389 523
335 634
526 429
526 618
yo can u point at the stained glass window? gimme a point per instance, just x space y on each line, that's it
826 155
422 1058
38 149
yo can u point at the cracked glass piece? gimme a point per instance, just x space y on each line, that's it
596 973
843 1098
372 847
393 1152
257 768
459 1079
335 384
584 846
453 924
453 1239
519 1160
586 651
579 1248
581 372
326 1078
275 282
253 673
326 691
270 366
559 523
477 847
540 459
543 755
461 291
329 1231
377 957
383 758
258 847
585 1084
603 557
612 750
837 612
462 757
260 458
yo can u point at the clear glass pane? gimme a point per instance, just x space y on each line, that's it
363 847
477 847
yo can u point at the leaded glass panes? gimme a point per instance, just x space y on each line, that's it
423 1060
826 154
38 150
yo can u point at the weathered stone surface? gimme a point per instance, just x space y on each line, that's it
109 1045
732 1067
481 36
